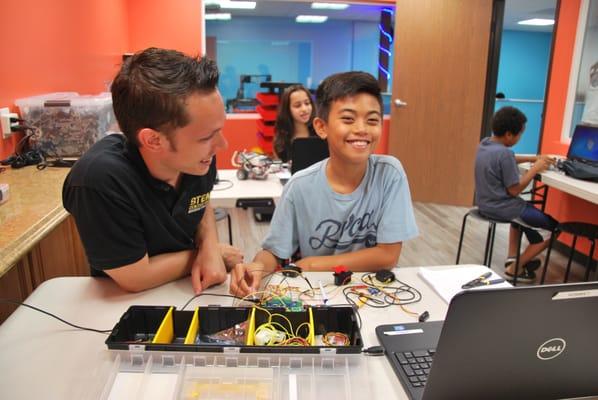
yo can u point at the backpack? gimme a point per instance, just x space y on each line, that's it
579 170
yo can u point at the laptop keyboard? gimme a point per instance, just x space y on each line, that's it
416 365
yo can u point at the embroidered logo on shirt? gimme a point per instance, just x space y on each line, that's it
360 230
198 203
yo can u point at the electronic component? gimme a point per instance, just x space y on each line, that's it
342 275
385 276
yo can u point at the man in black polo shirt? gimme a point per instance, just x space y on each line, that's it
141 200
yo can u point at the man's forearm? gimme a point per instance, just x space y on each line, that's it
207 234
153 271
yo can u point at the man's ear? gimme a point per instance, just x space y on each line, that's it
320 127
150 139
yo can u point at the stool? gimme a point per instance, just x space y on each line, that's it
475 213
583 229
220 214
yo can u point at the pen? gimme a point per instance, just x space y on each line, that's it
323 293
477 281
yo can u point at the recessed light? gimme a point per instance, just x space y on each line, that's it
311 19
329 6
218 17
537 22
229 4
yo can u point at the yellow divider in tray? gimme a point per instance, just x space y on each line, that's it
165 333
250 341
311 338
193 328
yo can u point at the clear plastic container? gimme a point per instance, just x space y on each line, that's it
66 123
217 376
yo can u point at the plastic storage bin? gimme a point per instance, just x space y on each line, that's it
163 328
208 376
68 123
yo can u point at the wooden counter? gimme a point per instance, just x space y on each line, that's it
38 238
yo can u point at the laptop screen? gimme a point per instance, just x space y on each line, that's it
584 144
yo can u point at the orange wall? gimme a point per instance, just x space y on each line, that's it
560 205
171 24
240 132
77 45
58 45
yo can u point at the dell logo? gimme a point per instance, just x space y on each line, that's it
551 348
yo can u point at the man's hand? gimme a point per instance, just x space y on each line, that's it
230 255
245 278
207 270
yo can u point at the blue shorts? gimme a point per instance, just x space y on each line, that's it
536 218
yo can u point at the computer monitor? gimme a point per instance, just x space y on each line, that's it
584 144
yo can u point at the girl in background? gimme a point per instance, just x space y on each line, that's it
294 119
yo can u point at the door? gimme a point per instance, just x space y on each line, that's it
441 54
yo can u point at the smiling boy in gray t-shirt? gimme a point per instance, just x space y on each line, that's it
353 209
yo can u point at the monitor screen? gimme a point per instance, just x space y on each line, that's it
584 145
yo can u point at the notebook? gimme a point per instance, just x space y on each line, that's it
307 151
448 282
514 343
584 144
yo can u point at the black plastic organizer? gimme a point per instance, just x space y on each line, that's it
163 328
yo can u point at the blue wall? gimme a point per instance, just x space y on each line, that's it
292 52
522 71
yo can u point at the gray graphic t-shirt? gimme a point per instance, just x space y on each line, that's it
313 218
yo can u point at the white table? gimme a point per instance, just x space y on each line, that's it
42 358
583 189
230 189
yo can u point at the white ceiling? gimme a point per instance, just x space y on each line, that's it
515 10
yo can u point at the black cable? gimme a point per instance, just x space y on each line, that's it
210 294
54 316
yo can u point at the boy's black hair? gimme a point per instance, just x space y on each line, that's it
342 85
152 86
508 119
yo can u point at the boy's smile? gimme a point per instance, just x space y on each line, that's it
353 128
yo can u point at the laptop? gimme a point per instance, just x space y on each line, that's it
516 343
307 151
584 145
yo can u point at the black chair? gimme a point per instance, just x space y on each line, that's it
475 213
220 214
576 229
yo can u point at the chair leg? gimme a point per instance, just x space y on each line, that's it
552 237
230 229
590 259
487 248
461 237
570 258
491 245
519 237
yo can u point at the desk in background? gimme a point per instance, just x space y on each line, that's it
230 189
42 358
583 189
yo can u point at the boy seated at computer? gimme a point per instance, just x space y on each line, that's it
498 186
352 209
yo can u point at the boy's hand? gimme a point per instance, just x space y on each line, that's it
245 278
542 163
